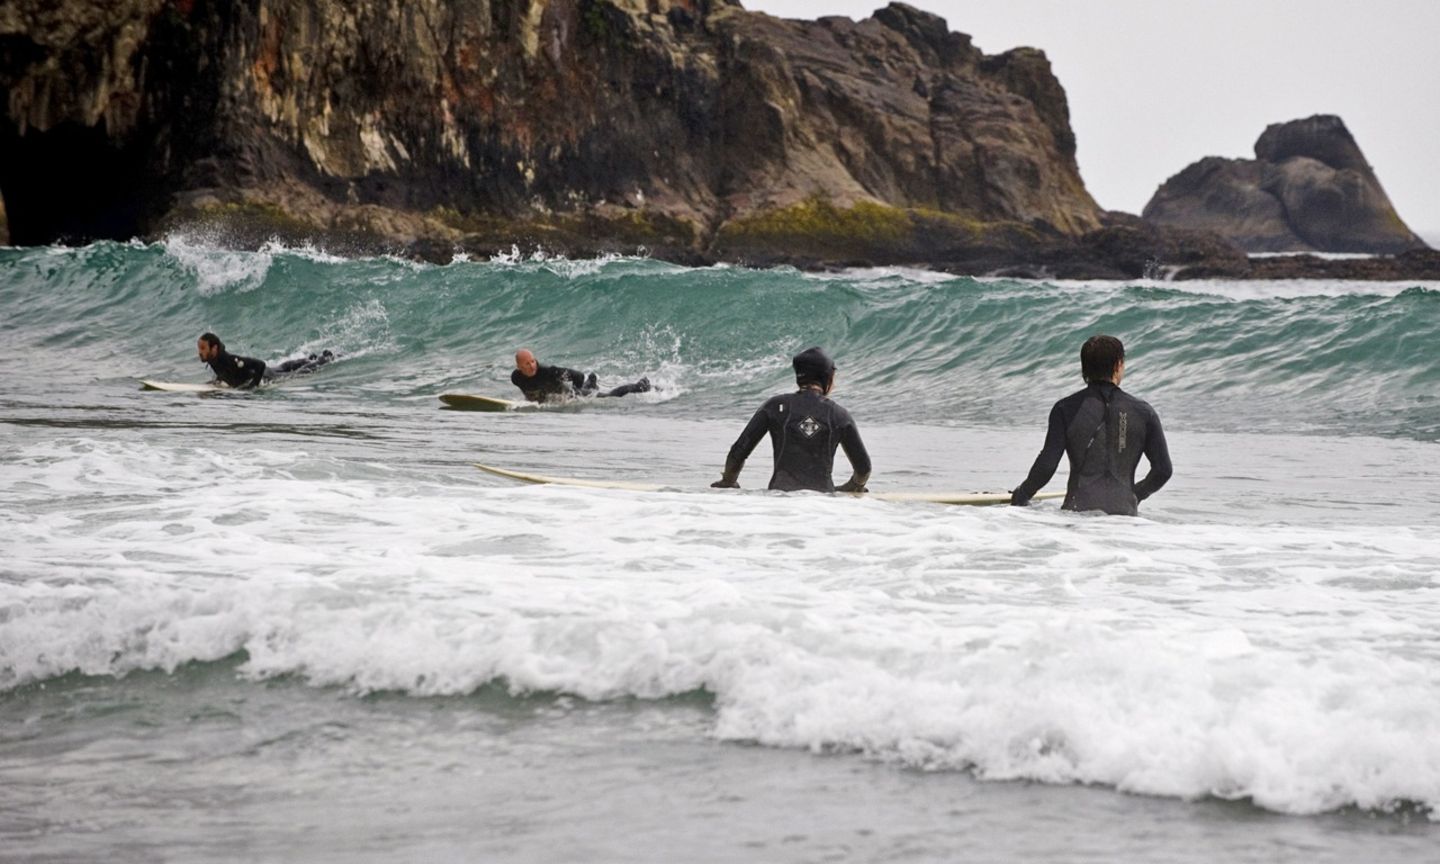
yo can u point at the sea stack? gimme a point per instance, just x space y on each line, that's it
1308 189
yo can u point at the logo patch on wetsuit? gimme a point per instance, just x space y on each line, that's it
1124 427
808 427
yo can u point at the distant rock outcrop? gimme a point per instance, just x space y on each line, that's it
1309 189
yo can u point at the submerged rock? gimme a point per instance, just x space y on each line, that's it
1309 189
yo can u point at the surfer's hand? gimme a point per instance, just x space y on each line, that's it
851 486
725 483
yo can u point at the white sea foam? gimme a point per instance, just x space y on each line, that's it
307 250
217 269
362 328
1259 289
1324 256
570 268
885 275
1294 665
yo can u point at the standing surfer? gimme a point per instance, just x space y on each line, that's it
1104 431
540 383
805 427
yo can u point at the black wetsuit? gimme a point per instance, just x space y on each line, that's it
243 372
235 371
301 365
1104 431
805 428
557 381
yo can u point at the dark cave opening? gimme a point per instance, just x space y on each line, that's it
70 184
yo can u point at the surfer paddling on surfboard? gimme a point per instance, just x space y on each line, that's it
540 383
246 372
805 428
1104 431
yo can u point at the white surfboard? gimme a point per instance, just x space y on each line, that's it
569 481
467 402
181 387
974 499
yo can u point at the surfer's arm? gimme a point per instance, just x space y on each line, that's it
1157 452
254 373
578 381
859 460
742 448
1046 462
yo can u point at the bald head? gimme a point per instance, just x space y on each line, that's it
525 362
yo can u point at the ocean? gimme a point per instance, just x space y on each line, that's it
298 625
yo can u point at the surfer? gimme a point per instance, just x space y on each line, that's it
246 372
539 382
805 428
1104 431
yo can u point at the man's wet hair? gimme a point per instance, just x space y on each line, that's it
212 340
1099 357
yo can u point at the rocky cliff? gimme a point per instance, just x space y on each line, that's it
1308 189
691 127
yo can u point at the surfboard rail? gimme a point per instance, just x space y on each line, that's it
472 402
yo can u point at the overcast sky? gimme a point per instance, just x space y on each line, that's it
1156 85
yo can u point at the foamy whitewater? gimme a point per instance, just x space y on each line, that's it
297 625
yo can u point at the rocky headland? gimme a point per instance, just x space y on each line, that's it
691 130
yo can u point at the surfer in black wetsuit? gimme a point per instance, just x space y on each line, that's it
246 372
541 383
1104 431
805 428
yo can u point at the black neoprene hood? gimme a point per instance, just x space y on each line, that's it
813 363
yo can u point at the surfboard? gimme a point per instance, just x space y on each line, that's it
180 387
973 499
541 479
466 402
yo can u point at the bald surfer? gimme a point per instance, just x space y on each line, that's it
541 383
247 372
805 427
1104 431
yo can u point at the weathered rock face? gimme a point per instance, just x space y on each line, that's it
582 125
1308 189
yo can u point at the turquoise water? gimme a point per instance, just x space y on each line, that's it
1322 357
297 625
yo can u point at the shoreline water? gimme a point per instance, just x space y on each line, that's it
549 777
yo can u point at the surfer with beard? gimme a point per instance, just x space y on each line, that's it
1104 431
247 372
805 427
